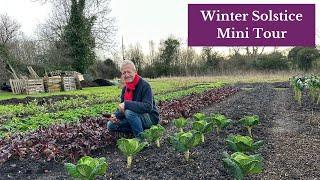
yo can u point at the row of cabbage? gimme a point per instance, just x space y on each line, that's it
242 162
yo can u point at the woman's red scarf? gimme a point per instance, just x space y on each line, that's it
130 87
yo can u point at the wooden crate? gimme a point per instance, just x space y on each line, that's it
34 86
52 84
69 83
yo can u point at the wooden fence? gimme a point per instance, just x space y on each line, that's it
28 86
18 86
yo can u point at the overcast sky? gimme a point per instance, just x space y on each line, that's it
138 21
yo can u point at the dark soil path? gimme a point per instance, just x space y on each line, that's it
291 150
295 137
292 132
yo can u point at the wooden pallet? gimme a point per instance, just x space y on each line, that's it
69 83
18 86
28 86
52 84
34 86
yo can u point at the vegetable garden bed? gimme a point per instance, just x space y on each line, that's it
291 134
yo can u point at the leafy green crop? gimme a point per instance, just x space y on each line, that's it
19 110
203 127
182 90
130 147
219 121
307 82
89 102
313 84
32 123
241 165
87 168
249 122
180 123
185 141
154 134
199 116
243 143
298 85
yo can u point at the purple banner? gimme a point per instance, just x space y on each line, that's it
251 24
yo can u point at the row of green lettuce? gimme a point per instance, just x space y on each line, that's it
159 86
8 112
26 118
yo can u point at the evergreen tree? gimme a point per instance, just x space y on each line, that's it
79 38
303 57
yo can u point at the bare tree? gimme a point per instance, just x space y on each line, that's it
318 36
234 50
150 58
188 57
250 52
103 29
254 51
9 29
135 54
28 51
